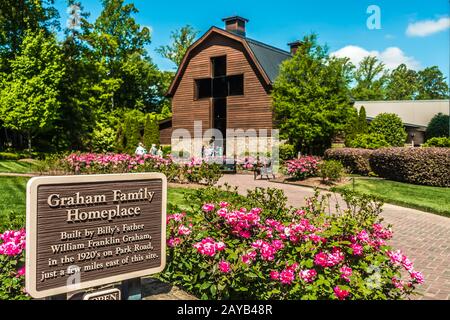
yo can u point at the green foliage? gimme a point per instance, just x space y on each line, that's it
310 97
10 156
273 200
287 151
331 171
29 98
370 78
438 126
368 141
354 160
103 138
207 173
250 278
18 17
441 142
357 124
391 127
120 142
363 127
182 39
132 130
11 284
427 166
432 84
151 132
402 84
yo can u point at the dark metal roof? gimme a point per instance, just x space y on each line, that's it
269 57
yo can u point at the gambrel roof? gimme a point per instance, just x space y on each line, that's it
266 58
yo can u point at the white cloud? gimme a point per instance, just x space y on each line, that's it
426 27
391 56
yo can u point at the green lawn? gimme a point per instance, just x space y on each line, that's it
12 196
431 199
13 166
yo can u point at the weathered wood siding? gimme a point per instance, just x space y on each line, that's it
165 132
250 111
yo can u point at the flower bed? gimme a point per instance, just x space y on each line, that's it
195 170
223 250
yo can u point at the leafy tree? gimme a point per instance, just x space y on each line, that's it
391 127
77 112
133 123
126 75
432 84
402 84
182 39
151 131
362 121
30 97
17 17
438 126
370 78
357 125
310 98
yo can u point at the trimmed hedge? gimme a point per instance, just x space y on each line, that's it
440 142
427 166
356 160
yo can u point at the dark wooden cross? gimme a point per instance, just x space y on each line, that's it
219 87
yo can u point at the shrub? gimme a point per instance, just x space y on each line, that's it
438 126
9 156
391 127
354 160
222 250
198 171
428 166
331 170
12 265
287 151
103 138
303 167
368 141
438 142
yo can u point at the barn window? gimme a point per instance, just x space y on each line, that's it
219 66
236 85
203 88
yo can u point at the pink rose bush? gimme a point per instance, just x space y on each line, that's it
196 170
12 260
238 252
303 167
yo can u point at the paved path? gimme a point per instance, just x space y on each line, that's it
422 236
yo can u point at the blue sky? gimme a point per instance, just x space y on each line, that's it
415 32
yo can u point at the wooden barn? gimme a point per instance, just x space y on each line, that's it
225 81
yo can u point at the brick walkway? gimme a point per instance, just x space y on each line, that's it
423 237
